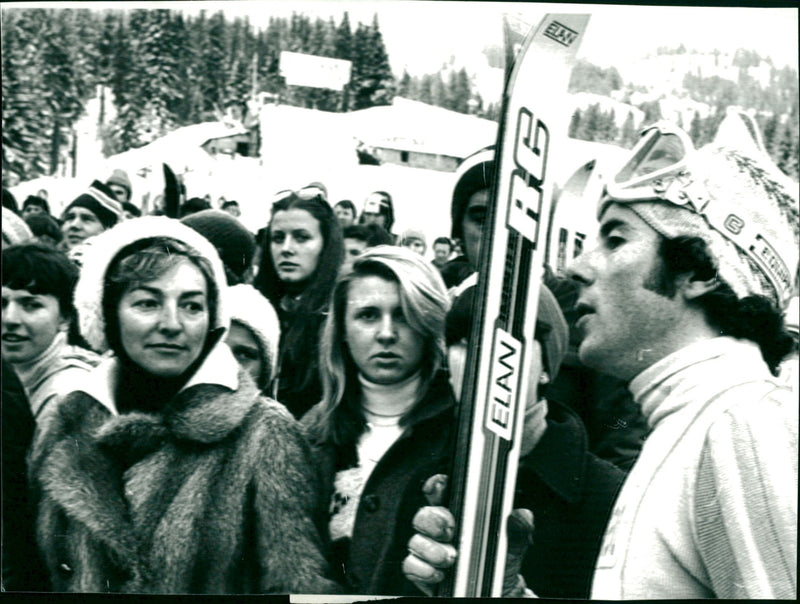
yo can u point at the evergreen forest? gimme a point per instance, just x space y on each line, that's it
165 69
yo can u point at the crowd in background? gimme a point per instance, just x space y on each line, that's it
189 407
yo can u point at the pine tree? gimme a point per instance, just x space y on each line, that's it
459 91
628 135
372 82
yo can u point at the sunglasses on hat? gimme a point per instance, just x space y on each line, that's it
664 167
306 193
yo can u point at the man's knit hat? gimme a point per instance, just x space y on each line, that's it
474 173
120 177
235 244
748 217
106 246
100 201
248 307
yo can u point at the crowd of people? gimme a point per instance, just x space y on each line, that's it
192 408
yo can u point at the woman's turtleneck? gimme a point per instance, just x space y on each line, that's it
385 404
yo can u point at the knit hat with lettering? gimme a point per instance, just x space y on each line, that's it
755 211
100 201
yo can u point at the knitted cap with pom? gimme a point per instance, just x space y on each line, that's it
100 201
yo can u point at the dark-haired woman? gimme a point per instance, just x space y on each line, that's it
301 256
167 471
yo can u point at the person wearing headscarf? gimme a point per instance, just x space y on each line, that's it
166 470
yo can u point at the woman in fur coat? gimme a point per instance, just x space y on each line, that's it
168 472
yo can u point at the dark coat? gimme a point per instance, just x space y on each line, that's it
391 496
215 494
571 493
22 569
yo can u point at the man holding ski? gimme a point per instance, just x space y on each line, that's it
697 253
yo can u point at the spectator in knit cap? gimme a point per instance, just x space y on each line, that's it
90 214
45 229
414 240
235 244
254 334
34 204
120 185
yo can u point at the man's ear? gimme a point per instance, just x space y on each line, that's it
690 287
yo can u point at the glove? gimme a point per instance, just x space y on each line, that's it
431 554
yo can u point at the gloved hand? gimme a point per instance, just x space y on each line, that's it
431 553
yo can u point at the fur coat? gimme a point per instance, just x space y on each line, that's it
214 494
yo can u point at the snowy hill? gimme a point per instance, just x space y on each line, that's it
300 146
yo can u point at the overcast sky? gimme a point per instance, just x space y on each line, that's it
421 34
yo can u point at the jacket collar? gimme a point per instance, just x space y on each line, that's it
219 368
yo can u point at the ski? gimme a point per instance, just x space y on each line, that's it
491 410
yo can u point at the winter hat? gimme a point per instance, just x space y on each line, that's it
44 225
127 206
551 327
193 205
235 244
120 177
15 229
754 209
35 200
380 202
248 307
475 173
106 247
412 234
100 201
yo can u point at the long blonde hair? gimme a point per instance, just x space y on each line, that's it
424 301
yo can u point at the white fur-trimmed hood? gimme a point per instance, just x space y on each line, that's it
249 307
106 246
